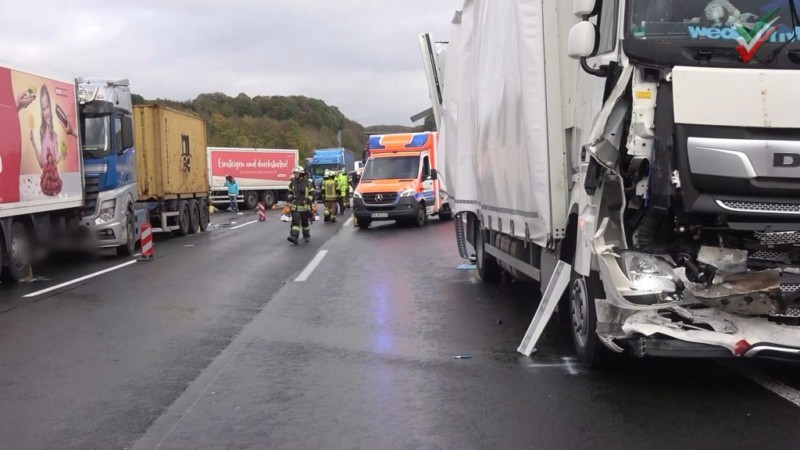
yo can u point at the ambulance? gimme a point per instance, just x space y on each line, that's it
400 181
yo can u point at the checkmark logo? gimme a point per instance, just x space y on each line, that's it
750 40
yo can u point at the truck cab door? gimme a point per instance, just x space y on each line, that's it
429 185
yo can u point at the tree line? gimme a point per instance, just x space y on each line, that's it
275 122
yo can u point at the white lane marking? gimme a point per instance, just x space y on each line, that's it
784 391
78 280
243 225
348 222
311 266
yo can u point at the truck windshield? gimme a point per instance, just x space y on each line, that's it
391 168
95 136
719 24
320 169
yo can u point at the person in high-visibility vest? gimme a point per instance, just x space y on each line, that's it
301 197
330 195
341 178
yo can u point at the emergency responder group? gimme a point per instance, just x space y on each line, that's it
301 205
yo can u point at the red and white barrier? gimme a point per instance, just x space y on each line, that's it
262 213
148 251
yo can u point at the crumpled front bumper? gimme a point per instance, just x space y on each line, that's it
735 320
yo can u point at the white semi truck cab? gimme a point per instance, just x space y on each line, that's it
654 161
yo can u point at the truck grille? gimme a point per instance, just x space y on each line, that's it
750 207
779 238
92 190
768 255
380 198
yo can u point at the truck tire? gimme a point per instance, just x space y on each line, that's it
129 248
19 254
488 269
583 319
250 200
194 213
269 199
446 213
364 224
422 216
184 218
205 216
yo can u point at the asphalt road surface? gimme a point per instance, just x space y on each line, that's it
236 339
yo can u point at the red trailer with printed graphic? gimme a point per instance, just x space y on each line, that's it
41 174
262 174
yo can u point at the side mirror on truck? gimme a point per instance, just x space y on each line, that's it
434 174
127 133
585 8
583 40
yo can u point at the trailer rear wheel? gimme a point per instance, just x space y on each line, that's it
583 319
184 218
250 200
19 254
129 248
269 199
194 212
488 269
204 215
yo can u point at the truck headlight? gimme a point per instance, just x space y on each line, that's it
108 210
648 273
87 93
407 193
357 195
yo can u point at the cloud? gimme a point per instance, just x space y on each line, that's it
360 55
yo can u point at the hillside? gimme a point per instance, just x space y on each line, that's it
272 122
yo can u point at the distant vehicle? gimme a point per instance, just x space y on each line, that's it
262 174
400 181
331 158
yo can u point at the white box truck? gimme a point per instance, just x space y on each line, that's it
262 174
640 159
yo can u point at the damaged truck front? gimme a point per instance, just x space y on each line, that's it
681 153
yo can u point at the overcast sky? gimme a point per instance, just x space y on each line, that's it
360 55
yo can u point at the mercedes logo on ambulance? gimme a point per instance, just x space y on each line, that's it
379 197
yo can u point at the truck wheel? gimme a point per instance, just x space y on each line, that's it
250 200
269 199
194 213
445 213
129 248
583 318
204 215
364 224
422 216
185 218
19 254
488 269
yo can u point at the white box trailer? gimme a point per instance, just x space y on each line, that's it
593 146
262 174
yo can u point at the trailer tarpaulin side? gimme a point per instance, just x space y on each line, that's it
501 117
457 141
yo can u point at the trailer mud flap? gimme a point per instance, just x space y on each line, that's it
555 288
461 236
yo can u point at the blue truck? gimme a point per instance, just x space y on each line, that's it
329 158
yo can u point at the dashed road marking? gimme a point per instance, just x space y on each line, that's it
311 266
243 225
784 391
78 280
349 221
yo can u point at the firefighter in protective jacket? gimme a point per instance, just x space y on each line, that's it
301 197
330 194
341 179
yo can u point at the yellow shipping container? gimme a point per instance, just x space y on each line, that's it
171 157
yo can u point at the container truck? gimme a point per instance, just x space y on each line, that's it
171 169
646 175
262 174
400 181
